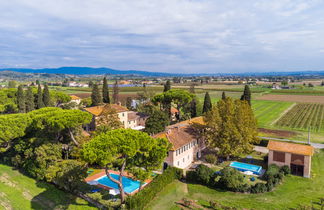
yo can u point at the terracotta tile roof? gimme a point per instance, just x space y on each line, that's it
291 148
135 115
174 110
74 97
181 133
97 110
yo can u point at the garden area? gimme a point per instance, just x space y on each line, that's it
293 193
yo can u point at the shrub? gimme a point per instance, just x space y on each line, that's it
269 186
285 170
231 179
204 174
272 172
142 198
210 158
259 188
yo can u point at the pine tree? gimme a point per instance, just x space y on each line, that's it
95 96
246 95
223 96
30 104
21 99
207 103
40 103
105 91
46 96
167 86
116 92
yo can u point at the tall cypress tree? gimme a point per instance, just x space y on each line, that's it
207 103
46 96
167 86
21 99
246 95
223 96
30 105
105 91
95 95
116 93
193 108
40 103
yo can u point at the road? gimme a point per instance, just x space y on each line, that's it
315 145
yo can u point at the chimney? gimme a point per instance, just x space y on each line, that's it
119 103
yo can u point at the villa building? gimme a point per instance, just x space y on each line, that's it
129 119
75 99
186 144
297 156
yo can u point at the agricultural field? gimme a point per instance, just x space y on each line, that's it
304 116
267 112
293 98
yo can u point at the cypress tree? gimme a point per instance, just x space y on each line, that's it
46 96
30 105
223 96
167 86
129 103
207 103
105 91
116 92
193 108
95 95
21 99
40 103
246 95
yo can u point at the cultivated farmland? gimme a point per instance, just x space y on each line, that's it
302 116
293 98
269 111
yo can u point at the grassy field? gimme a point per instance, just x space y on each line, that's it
268 111
18 191
293 192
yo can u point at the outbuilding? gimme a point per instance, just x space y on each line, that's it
297 156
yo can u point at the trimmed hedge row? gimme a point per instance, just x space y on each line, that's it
142 198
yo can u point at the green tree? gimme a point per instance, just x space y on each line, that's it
67 174
207 103
46 96
129 103
193 108
157 122
12 84
30 104
40 103
231 178
231 127
21 99
105 91
223 96
246 94
95 96
116 93
167 86
128 150
108 120
178 97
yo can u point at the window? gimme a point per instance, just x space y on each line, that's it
129 122
176 152
188 157
183 160
279 156
178 163
297 159
123 114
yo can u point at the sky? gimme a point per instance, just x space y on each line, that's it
176 36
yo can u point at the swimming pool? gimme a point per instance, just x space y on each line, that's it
129 184
246 167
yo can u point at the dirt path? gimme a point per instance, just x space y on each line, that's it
283 113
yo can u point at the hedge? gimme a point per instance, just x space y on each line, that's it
142 198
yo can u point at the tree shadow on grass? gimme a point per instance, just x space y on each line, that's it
53 198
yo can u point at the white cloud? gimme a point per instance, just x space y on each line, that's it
163 35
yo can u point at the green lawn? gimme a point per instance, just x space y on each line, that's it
18 191
268 111
293 192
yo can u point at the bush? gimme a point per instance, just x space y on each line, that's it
231 179
285 170
204 174
210 158
272 172
259 188
269 186
143 197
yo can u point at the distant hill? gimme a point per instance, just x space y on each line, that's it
88 70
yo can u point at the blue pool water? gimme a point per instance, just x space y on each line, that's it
246 167
129 184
